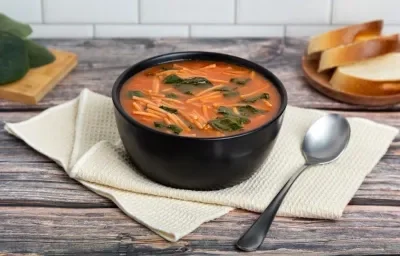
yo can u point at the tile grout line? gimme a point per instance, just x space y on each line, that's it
236 11
331 12
42 11
139 12
190 31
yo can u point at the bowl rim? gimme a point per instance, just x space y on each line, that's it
191 55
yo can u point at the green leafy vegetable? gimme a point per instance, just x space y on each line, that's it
170 110
227 91
135 93
14 27
38 55
174 128
187 85
240 81
255 98
249 110
229 122
14 62
171 95
172 79
225 124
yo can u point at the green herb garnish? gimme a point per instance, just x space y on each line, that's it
171 95
187 85
255 98
249 110
229 122
170 110
135 93
240 81
172 127
227 91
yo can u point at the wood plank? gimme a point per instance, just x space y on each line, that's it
46 184
101 61
56 231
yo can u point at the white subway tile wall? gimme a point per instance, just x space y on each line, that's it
196 18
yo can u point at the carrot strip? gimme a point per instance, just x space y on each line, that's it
173 100
205 112
161 115
156 85
142 113
143 100
209 89
251 93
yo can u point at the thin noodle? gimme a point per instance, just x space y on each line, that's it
218 81
211 98
171 105
267 103
205 112
181 123
209 66
156 85
157 109
209 89
252 93
141 113
142 100
186 116
137 106
173 100
235 110
198 124
162 115
166 120
203 97
167 90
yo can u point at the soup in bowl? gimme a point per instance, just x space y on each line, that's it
198 120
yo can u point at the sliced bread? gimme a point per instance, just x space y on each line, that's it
375 76
355 52
343 36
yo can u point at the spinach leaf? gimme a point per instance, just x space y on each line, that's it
230 94
227 112
174 128
187 85
249 110
227 91
135 93
14 27
172 79
38 55
170 110
225 124
255 98
14 62
240 81
171 95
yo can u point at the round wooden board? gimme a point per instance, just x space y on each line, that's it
320 81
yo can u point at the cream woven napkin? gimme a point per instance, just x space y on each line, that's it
82 138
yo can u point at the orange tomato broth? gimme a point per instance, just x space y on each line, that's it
193 117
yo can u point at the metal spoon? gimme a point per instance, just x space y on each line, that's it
323 143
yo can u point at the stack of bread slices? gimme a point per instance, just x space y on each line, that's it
363 61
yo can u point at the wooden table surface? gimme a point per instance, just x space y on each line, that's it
43 211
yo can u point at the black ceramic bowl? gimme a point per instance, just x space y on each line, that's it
196 163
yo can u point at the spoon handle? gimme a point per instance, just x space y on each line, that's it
255 235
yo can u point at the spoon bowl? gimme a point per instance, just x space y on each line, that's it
323 143
325 139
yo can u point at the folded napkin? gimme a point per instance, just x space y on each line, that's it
81 136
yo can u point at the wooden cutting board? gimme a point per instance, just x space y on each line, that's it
39 81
